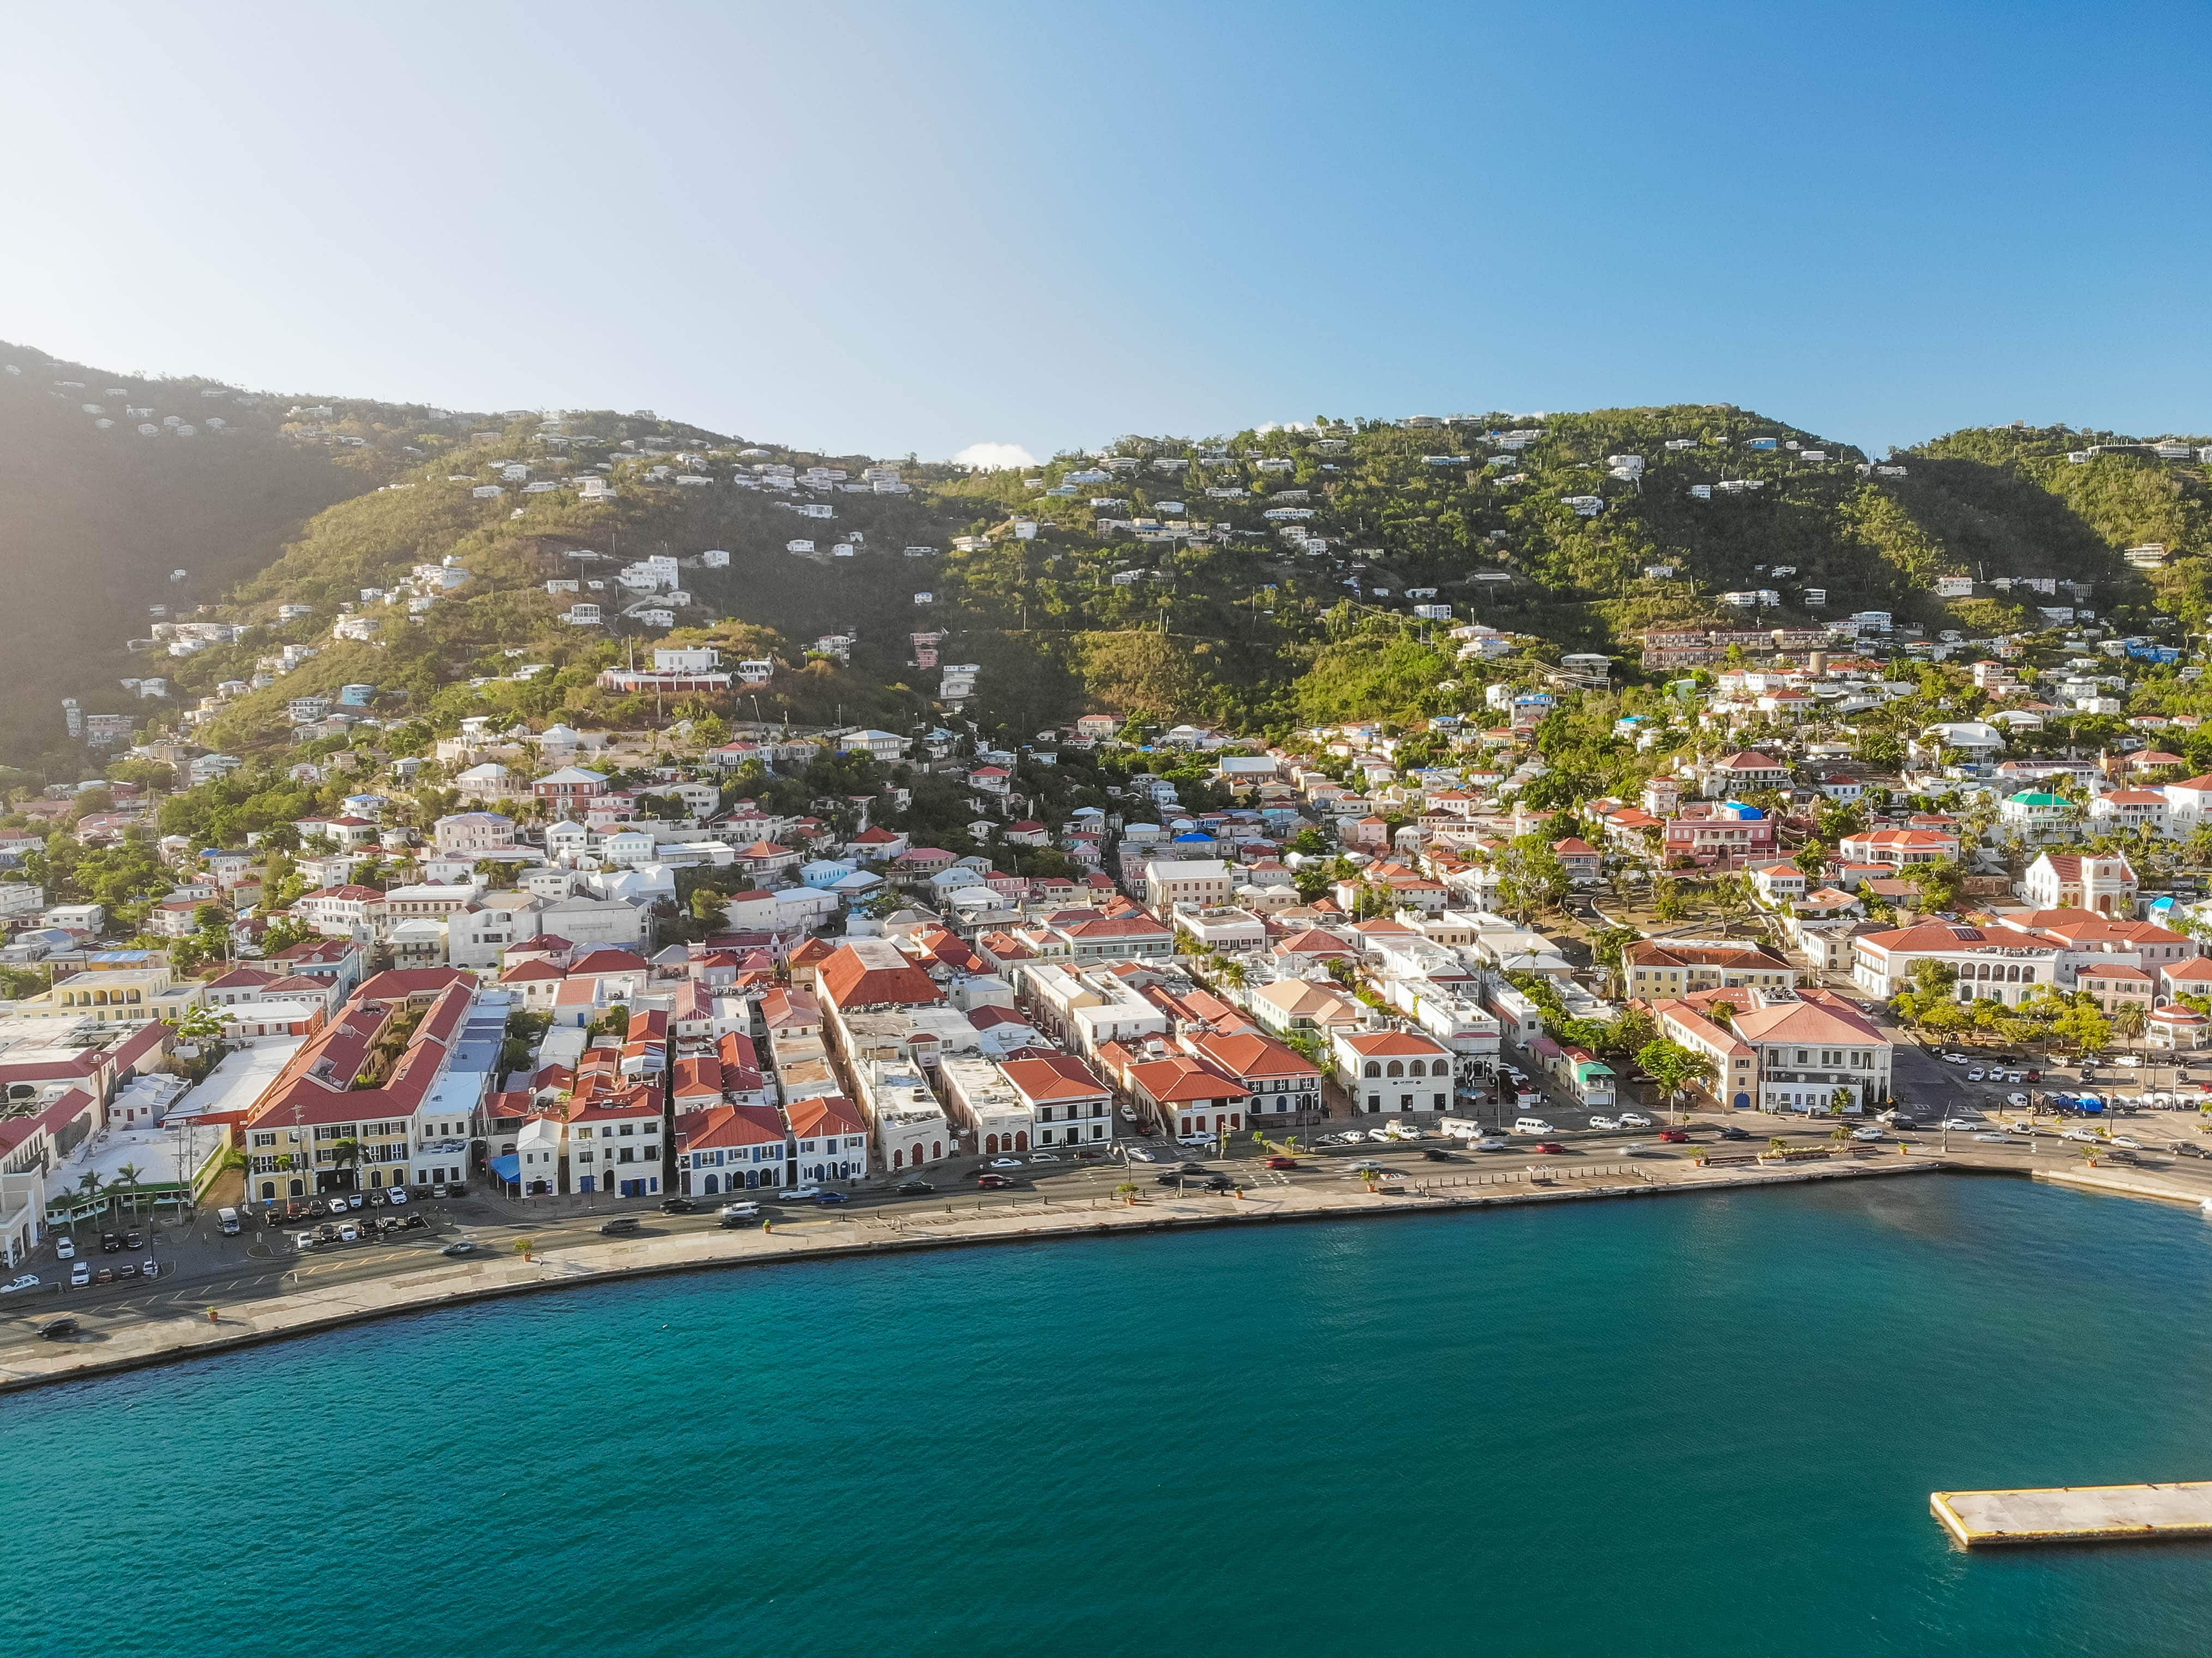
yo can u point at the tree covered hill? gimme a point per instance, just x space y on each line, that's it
1263 579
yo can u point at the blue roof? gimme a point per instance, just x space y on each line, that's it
508 1168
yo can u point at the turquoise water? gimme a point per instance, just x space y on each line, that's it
1689 1425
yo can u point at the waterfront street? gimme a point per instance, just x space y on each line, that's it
260 1285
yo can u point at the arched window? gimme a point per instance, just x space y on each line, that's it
936 1148
1394 1069
1372 1069
1417 1069
898 1159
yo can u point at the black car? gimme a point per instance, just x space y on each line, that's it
678 1206
414 1222
1730 1132
620 1225
59 1330
2190 1149
1189 1167
110 1243
1221 1183
132 1240
1172 1178
1437 1154
915 1187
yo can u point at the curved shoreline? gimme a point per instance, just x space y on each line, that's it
314 1312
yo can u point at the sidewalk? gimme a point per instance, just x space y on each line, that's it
958 1223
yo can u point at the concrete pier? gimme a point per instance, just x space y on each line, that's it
2076 1514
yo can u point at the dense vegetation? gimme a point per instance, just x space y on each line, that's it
1153 583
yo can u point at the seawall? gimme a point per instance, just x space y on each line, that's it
442 1283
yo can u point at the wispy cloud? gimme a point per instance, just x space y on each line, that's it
994 457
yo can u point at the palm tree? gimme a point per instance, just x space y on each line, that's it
1776 1146
89 1187
1127 1191
343 1152
1839 1136
126 1181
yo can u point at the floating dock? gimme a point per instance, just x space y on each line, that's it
2076 1514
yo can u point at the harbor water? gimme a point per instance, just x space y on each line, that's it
1682 1425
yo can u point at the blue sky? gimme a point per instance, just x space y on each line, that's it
900 228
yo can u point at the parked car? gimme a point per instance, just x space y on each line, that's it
1634 1120
1975 1075
804 1192
915 1187
104 1275
80 1275
110 1243
2031 1076
64 1247
338 1206
1603 1122
1006 1162
1043 1157
398 1194
350 1232
353 1200
127 1269
413 1222
2016 1101
19 1284
304 1241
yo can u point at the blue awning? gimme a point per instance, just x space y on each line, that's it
508 1168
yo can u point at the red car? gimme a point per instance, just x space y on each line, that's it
1552 1146
2031 1076
1675 1136
1282 1162
992 1182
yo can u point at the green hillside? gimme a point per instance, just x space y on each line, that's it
1262 580
94 519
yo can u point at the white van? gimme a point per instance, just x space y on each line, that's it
227 1218
737 1214
1531 1125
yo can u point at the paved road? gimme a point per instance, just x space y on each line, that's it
202 1268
